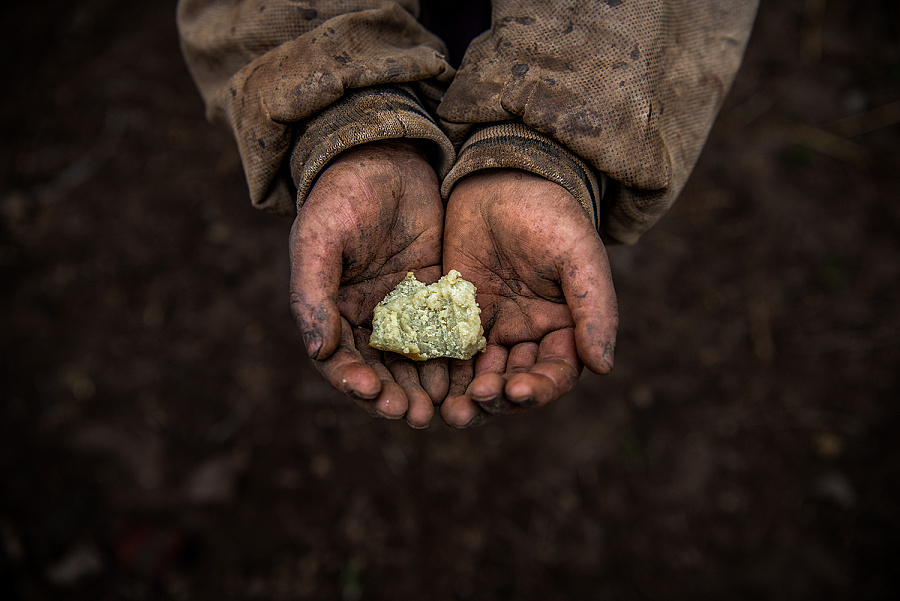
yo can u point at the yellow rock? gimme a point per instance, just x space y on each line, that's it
425 322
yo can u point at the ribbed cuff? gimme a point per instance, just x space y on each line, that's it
363 116
517 146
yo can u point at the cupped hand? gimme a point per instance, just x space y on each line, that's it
373 214
544 287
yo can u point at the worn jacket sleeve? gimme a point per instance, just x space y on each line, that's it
613 98
299 82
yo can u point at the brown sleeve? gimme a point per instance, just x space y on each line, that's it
516 146
630 87
366 115
295 81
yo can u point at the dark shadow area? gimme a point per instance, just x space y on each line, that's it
162 434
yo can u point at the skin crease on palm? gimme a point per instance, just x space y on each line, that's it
543 280
373 214
544 286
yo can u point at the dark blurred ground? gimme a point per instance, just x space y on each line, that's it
163 435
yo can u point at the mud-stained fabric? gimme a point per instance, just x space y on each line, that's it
515 146
630 86
269 69
613 99
366 115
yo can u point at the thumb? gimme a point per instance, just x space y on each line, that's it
316 264
587 284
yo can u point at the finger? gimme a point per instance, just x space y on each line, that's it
492 360
392 402
554 373
435 379
347 371
458 410
587 284
421 409
489 389
521 357
462 412
460 373
492 399
487 386
316 264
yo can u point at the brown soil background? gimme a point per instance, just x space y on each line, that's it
163 435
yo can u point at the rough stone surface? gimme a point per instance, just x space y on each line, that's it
429 321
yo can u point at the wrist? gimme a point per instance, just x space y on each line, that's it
517 148
385 150
386 114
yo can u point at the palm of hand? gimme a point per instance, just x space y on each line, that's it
544 288
373 215
383 240
520 296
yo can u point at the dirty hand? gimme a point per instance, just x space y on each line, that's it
374 214
544 287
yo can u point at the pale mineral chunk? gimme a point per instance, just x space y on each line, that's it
424 322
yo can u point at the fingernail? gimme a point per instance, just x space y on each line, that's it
381 414
313 343
468 422
608 357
